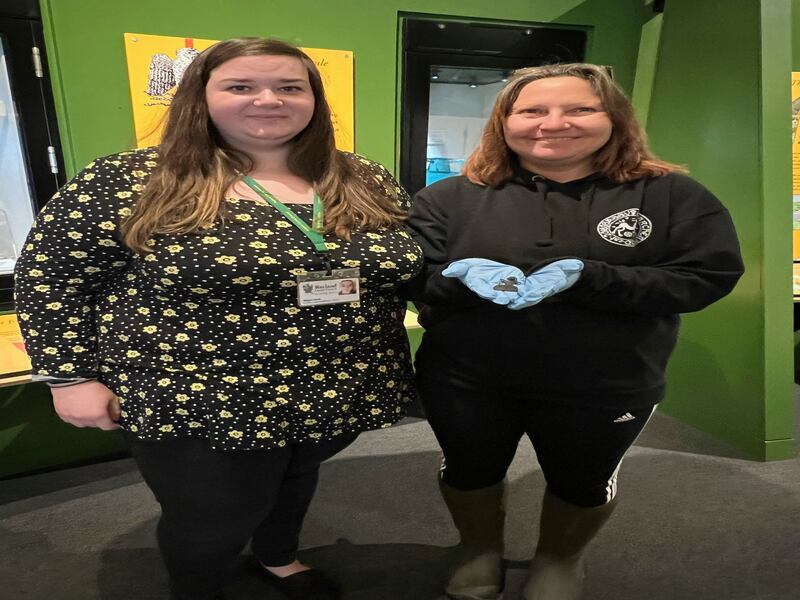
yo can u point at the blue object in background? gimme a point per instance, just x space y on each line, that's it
441 168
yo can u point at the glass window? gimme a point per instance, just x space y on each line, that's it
16 198
461 99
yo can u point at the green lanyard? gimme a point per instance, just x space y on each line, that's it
313 233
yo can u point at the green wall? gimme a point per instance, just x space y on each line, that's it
720 104
795 35
33 438
646 64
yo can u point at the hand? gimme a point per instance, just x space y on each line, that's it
482 275
89 404
547 281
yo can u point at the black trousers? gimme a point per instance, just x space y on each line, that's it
579 447
214 502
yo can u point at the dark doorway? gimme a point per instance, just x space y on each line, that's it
452 71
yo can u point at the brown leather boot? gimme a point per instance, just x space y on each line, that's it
558 570
479 516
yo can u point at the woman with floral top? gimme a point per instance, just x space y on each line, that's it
188 294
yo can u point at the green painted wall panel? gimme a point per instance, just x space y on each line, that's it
795 24
776 164
33 438
711 109
646 64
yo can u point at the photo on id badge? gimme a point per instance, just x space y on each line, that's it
348 287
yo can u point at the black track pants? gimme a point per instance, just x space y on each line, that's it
579 447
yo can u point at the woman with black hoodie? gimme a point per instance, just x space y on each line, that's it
556 268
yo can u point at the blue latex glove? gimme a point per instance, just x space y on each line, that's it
552 279
482 275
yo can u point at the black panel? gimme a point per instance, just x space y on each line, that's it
22 9
537 43
35 107
429 43
658 5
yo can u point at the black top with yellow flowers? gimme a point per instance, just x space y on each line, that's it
204 337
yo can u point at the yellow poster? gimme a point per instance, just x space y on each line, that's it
13 359
156 64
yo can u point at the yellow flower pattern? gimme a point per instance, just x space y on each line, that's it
203 336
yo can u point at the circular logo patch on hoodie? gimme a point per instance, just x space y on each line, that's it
625 228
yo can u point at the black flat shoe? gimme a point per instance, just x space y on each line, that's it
305 585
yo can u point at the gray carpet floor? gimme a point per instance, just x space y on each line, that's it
696 521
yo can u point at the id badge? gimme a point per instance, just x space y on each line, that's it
316 288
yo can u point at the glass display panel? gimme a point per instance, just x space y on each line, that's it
461 99
16 198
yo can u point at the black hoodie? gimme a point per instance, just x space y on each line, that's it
652 248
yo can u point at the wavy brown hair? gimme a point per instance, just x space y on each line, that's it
185 192
624 157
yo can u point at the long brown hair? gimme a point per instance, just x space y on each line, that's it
624 157
186 190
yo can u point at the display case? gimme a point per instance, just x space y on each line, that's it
452 71
31 167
